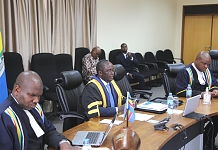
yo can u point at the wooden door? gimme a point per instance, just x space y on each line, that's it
197 36
214 43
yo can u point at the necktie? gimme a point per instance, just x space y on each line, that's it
110 95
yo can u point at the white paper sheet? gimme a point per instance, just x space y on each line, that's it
108 121
141 117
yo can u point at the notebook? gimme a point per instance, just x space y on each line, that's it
96 138
191 106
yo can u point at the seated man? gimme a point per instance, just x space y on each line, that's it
199 77
101 96
89 63
23 124
128 61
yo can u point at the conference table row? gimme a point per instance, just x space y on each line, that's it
152 139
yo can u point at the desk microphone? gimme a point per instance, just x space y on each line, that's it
161 125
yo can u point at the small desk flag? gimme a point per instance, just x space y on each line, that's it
129 108
3 85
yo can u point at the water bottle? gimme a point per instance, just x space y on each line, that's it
207 97
86 145
188 91
170 103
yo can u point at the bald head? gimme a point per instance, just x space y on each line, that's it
202 61
96 51
27 90
203 55
28 77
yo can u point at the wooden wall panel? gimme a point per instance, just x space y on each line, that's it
197 36
214 43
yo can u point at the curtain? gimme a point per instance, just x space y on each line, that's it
52 26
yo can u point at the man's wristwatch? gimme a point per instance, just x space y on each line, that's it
64 141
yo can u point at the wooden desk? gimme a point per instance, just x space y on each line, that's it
150 139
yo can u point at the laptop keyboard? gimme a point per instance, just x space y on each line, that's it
93 137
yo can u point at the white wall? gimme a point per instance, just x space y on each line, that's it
145 25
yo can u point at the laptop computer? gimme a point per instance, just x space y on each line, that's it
96 138
190 106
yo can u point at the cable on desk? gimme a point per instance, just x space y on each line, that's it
182 130
212 126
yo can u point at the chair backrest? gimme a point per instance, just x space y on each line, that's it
169 78
69 90
68 93
113 54
160 55
140 58
63 62
121 80
79 54
214 62
169 56
149 57
13 67
44 64
102 56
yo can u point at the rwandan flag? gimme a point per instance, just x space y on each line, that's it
3 85
129 109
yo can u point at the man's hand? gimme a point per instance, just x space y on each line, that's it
134 102
129 55
130 76
214 93
121 108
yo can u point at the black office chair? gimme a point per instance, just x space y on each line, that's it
152 67
123 84
13 67
170 58
214 62
69 90
44 64
79 54
169 82
148 71
102 56
153 70
169 78
160 56
113 54
63 62
150 58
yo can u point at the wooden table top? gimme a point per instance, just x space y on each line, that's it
150 139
